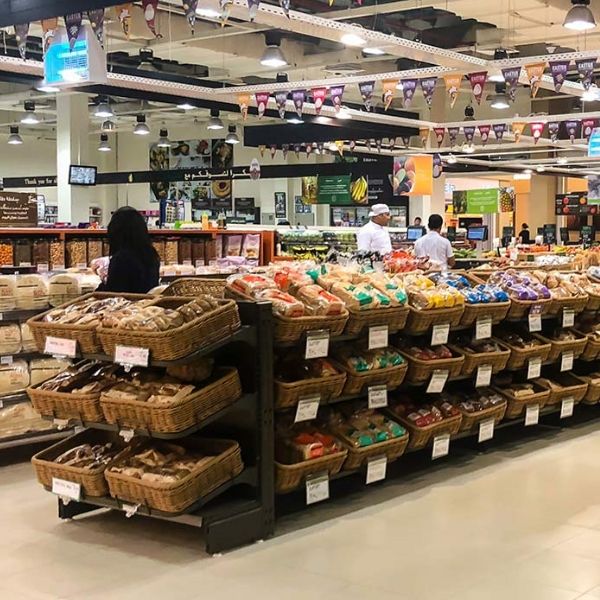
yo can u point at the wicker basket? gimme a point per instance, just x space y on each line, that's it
592 395
592 348
421 321
519 356
576 303
420 371
516 406
576 390
357 383
191 286
575 346
222 390
420 437
290 477
394 317
391 449
177 496
92 481
473 361
288 394
497 311
519 309
593 302
470 421
180 341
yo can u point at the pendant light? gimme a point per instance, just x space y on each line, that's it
14 138
469 113
146 60
140 127
29 118
186 106
108 125
215 121
163 140
104 145
499 100
497 76
273 57
103 110
580 17
232 137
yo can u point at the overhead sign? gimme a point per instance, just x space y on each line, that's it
334 189
18 209
574 204
478 202
413 175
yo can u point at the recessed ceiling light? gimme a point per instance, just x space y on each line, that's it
496 77
527 171
580 17
540 168
293 118
209 13
352 39
47 89
374 51
186 106
499 101
273 57
468 148
14 138
104 145
141 128
522 176
562 160
323 120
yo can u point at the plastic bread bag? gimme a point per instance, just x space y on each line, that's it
319 301
283 304
250 284
251 246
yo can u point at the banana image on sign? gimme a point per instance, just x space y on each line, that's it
359 191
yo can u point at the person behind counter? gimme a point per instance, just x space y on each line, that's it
524 235
134 263
435 247
373 236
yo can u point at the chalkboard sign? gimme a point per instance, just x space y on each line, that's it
549 233
18 209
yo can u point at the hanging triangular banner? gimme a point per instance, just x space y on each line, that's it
534 74
517 129
297 148
587 126
378 145
308 149
73 23
389 90
298 96
225 7
352 145
254 169
285 6
424 136
320 147
150 7
124 12
406 140
319 94
478 84
409 87
484 132
392 143
189 9
559 70
96 18
585 67
572 127
336 92
273 149
49 27
262 100
453 83
499 130
339 144
438 166
244 103
537 130
261 149
285 148
366 89
21 35
280 101
469 131
253 9
440 134
553 130
511 78
428 86
453 135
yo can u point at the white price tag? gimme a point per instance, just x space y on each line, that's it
484 376
376 469
378 337
439 335
187 263
6 360
568 317
317 344
532 415
437 382
1 316
307 409
378 396
199 262
82 266
127 434
169 273
317 488
566 361
61 424
42 267
441 446
131 356
534 367
483 328
567 407
58 267
129 509
535 319
66 489
486 430
60 347
1 403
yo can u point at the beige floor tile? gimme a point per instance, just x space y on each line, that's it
594 593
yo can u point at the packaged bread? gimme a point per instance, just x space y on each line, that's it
8 292
10 339
319 301
27 341
284 304
233 245
21 418
250 284
251 246
14 378
45 368
63 288
355 297
32 292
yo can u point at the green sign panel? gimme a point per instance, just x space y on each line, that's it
482 201
334 190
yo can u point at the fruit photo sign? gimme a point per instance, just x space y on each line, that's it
413 175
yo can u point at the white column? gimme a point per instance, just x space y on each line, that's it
72 147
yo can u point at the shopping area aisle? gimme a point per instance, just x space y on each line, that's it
521 522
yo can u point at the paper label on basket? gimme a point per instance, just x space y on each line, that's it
61 423
129 355
484 376
307 409
129 509
169 272
378 337
439 335
82 266
376 469
532 415
567 407
534 367
317 344
483 328
127 434
441 446
1 316
317 488
60 347
566 361
42 267
486 430
6 360
378 396
568 319
187 263
66 489
535 318
437 382
199 263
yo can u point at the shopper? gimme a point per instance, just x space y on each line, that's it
435 247
373 236
134 263
417 222
524 235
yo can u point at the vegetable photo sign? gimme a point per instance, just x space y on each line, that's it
413 175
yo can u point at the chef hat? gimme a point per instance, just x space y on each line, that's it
379 209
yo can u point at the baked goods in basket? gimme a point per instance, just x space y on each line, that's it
87 456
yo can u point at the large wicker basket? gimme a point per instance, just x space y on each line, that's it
497 311
575 390
394 317
290 477
471 420
473 361
420 371
560 347
576 303
358 382
516 406
592 348
176 497
421 321
288 394
391 449
196 286
592 395
593 302
222 390
520 309
420 437
519 356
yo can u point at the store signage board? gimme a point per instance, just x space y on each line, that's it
483 201
573 204
594 143
18 209
334 189
376 469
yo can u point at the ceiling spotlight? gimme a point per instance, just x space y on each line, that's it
273 57
293 118
146 60
580 17
108 126
42 86
343 113
352 39
186 106
215 121
14 138
104 145
323 120
451 159
163 140
208 13
232 137
373 51
140 127
469 113
29 118
103 110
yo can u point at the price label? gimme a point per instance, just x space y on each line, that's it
58 267
439 335
534 367
199 263
568 317
437 382
61 424
1 316
378 337
484 376
82 266
317 344
127 434
376 469
532 415
317 488
129 509
535 318
483 328
60 347
6 360
66 489
42 267
1 403
566 361
441 446
169 272
131 356
378 396
188 263
486 430
307 409
567 407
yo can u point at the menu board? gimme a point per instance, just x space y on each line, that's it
574 204
18 209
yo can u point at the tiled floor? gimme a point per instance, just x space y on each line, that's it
518 523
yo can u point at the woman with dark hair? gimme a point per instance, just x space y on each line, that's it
134 263
524 234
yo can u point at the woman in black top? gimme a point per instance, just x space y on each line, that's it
524 235
134 263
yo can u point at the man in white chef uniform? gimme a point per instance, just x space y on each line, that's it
373 236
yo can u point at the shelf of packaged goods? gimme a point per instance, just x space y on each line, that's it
37 437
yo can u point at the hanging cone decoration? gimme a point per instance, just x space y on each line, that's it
517 129
424 136
484 132
392 143
553 130
368 144
254 169
438 167
409 87
452 87
298 96
96 18
440 134
21 35
559 70
586 67
124 12
320 147
285 6
253 8
336 92
378 145
469 132
499 131
262 99
339 144
478 84
511 78
297 148
537 129
406 140
534 74
428 87
285 148
319 94
273 150
73 24
572 129
587 126
280 100
389 89
453 135
308 150
366 89
150 7
225 6
49 27
244 102
189 8
261 149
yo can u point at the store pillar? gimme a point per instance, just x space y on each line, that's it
72 148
